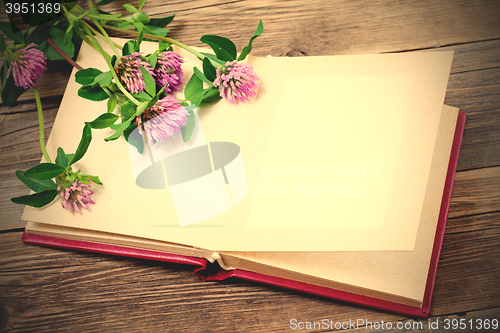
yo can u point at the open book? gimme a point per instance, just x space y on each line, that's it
335 180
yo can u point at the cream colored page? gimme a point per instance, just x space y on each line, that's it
402 273
124 208
339 173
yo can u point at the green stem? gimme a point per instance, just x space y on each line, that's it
98 17
106 36
106 90
165 39
179 44
79 10
40 124
72 15
94 40
108 40
136 33
104 18
88 41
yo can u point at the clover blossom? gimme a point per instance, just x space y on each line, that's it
168 70
76 196
26 65
129 73
236 81
162 120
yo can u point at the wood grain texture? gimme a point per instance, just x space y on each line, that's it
19 150
476 192
333 27
322 27
473 322
468 273
473 223
478 94
41 285
45 290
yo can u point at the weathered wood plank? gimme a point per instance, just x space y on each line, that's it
474 87
476 192
34 280
468 272
474 321
19 150
321 27
30 106
45 289
473 223
475 56
477 93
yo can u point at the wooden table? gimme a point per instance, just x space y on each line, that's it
45 289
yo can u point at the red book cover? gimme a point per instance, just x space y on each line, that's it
218 275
